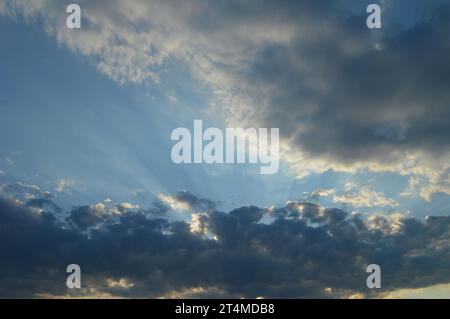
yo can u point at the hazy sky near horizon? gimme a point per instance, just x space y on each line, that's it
364 118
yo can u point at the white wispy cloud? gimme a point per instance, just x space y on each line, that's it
365 198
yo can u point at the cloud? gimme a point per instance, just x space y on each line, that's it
184 200
89 216
172 98
336 109
320 192
23 192
86 216
44 204
63 185
197 293
433 292
121 283
305 251
365 198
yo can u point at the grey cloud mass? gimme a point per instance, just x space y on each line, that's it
354 101
303 251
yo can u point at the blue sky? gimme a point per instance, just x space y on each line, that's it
86 115
102 138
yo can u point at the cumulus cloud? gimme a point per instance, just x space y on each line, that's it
305 251
121 283
23 192
44 204
86 216
320 192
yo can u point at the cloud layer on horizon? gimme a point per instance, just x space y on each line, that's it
302 250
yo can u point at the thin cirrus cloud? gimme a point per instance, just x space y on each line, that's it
364 197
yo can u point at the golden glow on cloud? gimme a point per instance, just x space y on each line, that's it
441 291
173 202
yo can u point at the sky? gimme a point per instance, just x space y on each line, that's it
86 174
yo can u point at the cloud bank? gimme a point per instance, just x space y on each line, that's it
302 250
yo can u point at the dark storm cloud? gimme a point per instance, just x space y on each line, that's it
85 216
44 204
358 94
305 249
